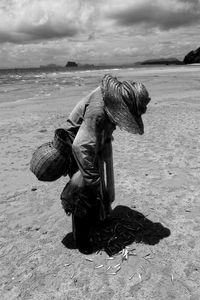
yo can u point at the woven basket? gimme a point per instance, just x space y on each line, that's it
48 164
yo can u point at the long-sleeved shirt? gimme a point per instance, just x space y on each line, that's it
89 128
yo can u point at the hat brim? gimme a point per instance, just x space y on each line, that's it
140 125
122 117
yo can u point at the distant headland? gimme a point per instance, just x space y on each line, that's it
73 65
193 57
161 61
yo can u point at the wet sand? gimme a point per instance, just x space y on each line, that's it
156 174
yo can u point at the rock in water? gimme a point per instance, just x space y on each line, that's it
71 64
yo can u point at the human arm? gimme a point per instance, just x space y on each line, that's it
87 142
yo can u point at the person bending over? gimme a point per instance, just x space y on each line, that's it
89 128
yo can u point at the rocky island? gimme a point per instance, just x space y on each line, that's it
71 64
193 57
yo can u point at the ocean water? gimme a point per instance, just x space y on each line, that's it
21 85
17 85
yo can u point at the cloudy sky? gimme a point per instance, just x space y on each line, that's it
38 32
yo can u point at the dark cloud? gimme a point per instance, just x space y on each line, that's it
29 21
162 17
191 2
37 33
168 43
48 30
9 37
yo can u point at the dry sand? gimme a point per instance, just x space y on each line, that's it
156 174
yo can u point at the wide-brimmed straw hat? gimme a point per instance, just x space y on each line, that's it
52 159
125 102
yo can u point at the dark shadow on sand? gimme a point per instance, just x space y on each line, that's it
68 241
124 227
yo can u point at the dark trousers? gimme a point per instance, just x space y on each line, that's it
83 226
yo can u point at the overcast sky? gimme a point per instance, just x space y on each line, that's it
37 32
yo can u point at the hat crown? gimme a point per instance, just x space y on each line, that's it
133 94
125 102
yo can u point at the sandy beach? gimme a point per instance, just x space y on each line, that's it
157 175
